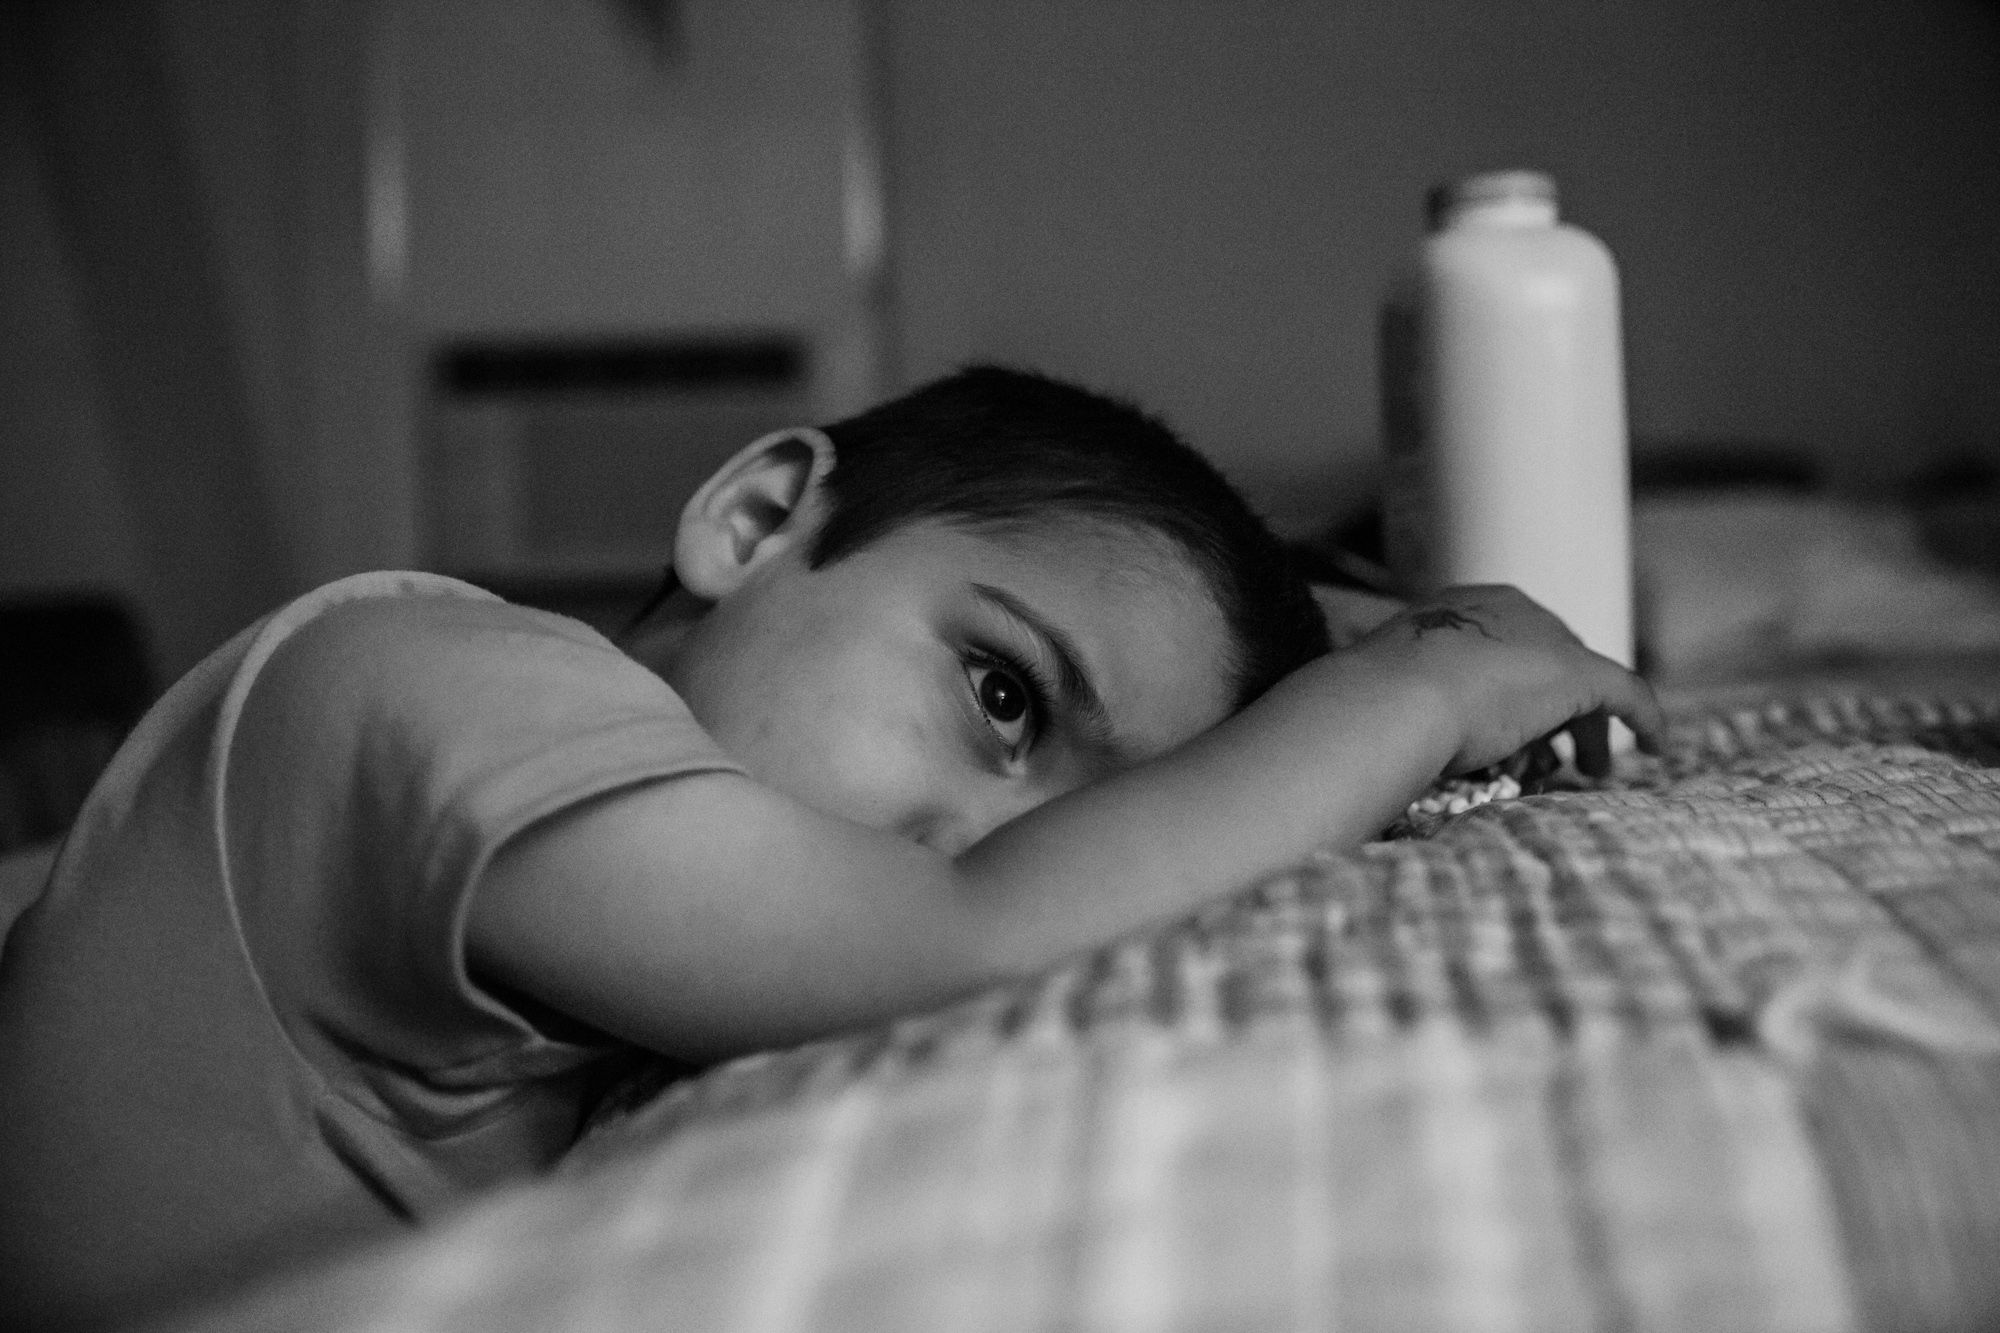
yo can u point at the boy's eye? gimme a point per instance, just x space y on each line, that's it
1004 699
1002 696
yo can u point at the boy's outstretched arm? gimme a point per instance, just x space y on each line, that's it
708 915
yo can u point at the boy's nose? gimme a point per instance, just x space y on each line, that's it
952 824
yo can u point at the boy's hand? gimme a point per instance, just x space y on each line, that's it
1512 674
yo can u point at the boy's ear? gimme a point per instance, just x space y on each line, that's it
759 503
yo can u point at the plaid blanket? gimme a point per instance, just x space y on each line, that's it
1713 1047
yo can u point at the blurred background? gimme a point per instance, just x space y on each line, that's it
296 288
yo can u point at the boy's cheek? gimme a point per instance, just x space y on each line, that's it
878 772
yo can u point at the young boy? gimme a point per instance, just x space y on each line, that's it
991 673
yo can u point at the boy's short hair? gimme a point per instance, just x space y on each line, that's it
994 446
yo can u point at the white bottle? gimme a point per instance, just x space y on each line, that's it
1503 388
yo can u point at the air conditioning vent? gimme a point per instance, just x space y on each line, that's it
574 460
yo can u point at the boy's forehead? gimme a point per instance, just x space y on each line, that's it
1072 559
1094 556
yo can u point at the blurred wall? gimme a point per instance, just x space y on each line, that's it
561 178
137 365
1197 202
202 405
62 517
234 228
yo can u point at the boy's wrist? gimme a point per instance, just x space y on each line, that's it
1385 678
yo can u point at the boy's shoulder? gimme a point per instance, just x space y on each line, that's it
401 671
398 632
413 603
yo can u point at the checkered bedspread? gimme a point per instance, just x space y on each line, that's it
1714 1048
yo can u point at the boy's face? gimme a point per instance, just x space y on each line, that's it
942 680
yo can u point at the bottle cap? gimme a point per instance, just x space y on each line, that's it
1489 187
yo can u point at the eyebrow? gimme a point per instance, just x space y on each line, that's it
1077 691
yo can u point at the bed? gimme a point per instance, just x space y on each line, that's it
1714 1045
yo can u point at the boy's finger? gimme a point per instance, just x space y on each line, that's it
1543 761
1644 716
1592 733
1629 697
1531 764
